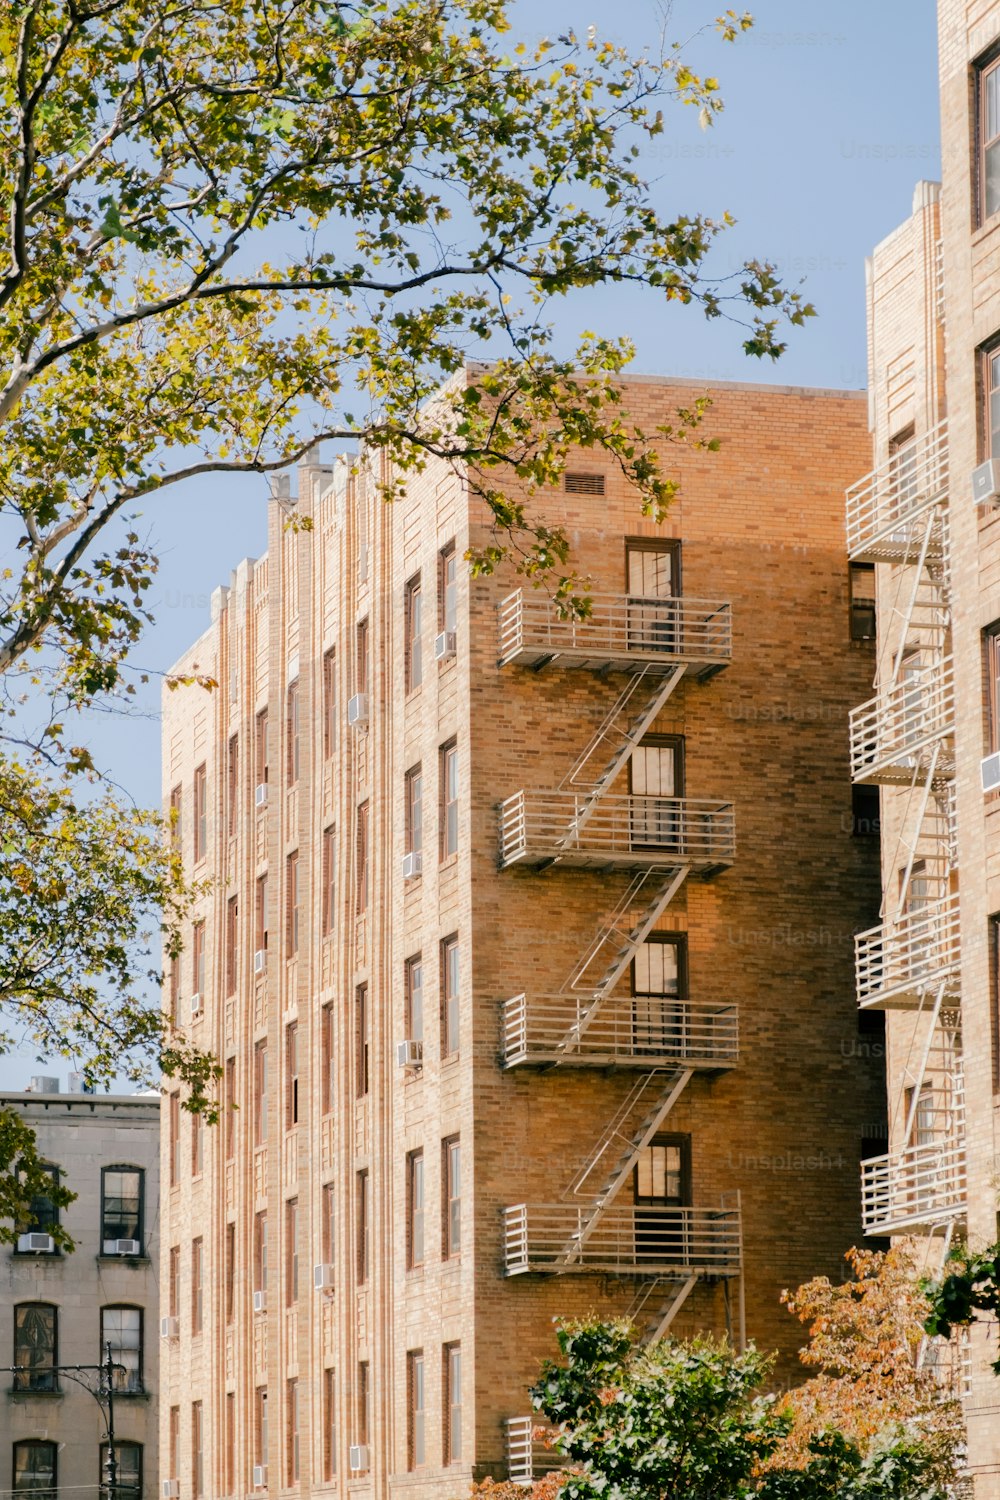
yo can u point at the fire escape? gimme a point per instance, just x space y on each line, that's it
904 739
659 842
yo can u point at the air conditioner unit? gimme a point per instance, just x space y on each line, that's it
444 645
169 1328
36 1244
986 482
260 795
409 1054
170 1489
323 1278
357 1457
990 771
411 865
196 1005
260 960
260 1302
357 709
122 1247
259 1476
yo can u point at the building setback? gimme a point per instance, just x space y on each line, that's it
529 953
928 529
64 1308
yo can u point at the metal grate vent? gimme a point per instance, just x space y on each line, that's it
583 484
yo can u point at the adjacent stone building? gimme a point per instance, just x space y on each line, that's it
62 1308
528 956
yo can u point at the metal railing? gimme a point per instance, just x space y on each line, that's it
914 1189
620 629
900 961
651 1240
528 1455
625 1030
882 507
619 832
889 732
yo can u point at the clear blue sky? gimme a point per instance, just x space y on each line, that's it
831 118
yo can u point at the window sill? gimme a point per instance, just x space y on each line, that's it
36 1254
986 228
16 1394
123 1260
448 860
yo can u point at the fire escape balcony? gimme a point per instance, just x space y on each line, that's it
528 1455
899 963
624 1031
616 832
884 508
622 633
561 1238
893 735
915 1189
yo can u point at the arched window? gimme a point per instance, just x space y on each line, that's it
121 1330
121 1210
35 1338
128 1471
35 1469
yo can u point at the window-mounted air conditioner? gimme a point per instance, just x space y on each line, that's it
170 1328
260 960
409 1054
412 864
196 1005
36 1244
357 710
260 1302
170 1489
260 795
357 1457
323 1278
990 771
122 1247
986 483
444 645
259 1476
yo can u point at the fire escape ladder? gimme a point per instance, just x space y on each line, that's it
925 790
921 577
615 742
935 1273
918 1083
669 1293
665 1096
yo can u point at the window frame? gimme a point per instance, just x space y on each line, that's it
451 991
988 392
362 664
451 1201
328 872
233 785
232 943
260 1094
362 1042
293 904
416 1410
328 1089
197 1285
413 654
200 822
292 1096
362 839
293 734
451 1409
43 1492
138 1388
413 816
863 607
291 1251
197 1450
329 703
198 972
984 69
261 757
447 804
447 600
120 1487
41 1378
364 1229
140 1173
416 1210
413 998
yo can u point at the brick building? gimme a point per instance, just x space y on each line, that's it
529 954
930 532
64 1308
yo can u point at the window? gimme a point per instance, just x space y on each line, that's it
121 1205
416 1409
229 1271
292 900
291 1076
260 1426
200 814
327 1081
989 138
661 1184
902 470
580 483
174 1282
414 1210
413 670
361 888
260 1093
862 587
990 378
35 1469
361 657
128 1472
121 1330
659 989
364 1402
652 571
991 652
413 819
233 785
292 1445
452 1403
260 749
329 1425
448 588
414 982
362 1040
329 889
229 1124
175 990
197 1285
865 811
35 1346
230 1467
260 915
449 997
449 800
174 1141
364 1226
292 1251
232 940
174 1441
329 1225
197 1451
176 807
452 1197
198 958
329 704
260 1253
43 1214
197 1146
292 734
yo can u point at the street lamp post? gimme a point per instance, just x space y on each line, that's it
106 1384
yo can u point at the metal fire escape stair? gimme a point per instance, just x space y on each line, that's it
656 1305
